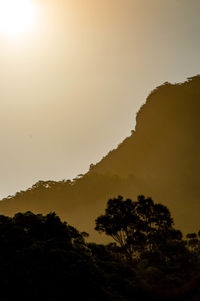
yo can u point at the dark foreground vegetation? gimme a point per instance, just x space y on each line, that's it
42 257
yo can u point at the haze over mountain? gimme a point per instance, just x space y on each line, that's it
160 159
71 85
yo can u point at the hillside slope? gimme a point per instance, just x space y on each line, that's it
160 159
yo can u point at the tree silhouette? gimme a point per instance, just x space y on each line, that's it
42 257
193 242
137 227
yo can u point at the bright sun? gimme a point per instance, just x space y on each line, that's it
16 16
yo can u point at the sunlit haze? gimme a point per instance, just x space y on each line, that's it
74 73
16 16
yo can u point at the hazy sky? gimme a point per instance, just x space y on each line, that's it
71 86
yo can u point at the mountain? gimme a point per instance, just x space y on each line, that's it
160 159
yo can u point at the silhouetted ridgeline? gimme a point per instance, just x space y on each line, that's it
160 159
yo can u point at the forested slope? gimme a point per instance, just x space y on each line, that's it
160 159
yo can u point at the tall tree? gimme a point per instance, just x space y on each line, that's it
137 226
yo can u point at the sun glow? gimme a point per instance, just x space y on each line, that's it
16 16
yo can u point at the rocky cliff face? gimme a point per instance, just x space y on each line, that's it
160 159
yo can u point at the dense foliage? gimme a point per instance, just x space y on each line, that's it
42 257
138 227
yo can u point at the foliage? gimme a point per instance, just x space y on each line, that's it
42 257
145 237
137 226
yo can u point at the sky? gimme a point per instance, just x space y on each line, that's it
72 83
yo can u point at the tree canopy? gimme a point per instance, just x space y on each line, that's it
42 257
138 226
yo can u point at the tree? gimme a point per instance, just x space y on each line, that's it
137 226
193 241
42 257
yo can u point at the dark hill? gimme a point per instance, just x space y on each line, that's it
160 159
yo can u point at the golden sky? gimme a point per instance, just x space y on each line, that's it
71 83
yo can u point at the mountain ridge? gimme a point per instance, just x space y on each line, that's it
160 159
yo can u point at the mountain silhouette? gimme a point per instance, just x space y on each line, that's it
160 159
